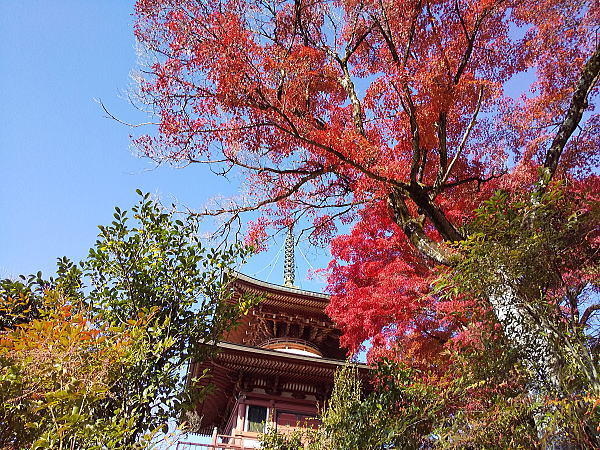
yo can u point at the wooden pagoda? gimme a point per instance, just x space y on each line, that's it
275 368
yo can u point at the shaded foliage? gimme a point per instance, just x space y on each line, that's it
549 250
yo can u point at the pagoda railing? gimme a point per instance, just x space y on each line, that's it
227 443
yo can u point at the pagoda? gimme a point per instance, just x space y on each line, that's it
275 368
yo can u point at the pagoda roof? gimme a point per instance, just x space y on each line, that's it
261 358
281 296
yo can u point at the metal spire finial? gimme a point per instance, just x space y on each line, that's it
289 267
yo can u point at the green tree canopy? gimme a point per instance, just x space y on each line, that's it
148 287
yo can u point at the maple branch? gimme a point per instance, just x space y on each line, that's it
237 128
331 219
295 133
421 196
236 211
416 191
479 180
109 115
350 50
579 103
439 182
470 40
429 333
423 165
298 9
413 229
387 35
437 41
268 105
331 205
348 85
411 32
262 168
414 131
442 150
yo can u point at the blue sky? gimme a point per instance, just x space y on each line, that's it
63 165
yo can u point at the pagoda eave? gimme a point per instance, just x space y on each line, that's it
238 368
253 358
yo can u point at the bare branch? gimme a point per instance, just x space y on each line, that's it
479 180
238 210
110 115
587 313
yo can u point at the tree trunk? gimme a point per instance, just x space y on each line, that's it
525 331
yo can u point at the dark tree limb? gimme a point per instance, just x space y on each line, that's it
411 32
579 103
415 135
588 313
442 150
420 195
413 229
478 180
471 37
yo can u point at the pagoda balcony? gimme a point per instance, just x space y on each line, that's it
291 345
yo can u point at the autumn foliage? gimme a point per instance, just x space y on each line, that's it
57 369
96 356
458 139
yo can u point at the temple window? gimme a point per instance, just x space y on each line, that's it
292 420
256 418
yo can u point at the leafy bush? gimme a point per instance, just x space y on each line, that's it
102 365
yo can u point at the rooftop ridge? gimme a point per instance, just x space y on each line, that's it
291 290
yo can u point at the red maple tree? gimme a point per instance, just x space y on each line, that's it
399 117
